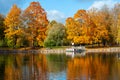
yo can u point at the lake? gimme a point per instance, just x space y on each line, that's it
60 66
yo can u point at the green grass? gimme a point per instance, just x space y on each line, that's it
59 47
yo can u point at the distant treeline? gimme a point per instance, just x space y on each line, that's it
30 27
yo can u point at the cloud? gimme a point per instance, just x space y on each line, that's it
100 3
56 15
5 6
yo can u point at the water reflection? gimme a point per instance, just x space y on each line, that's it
73 54
59 67
93 67
24 67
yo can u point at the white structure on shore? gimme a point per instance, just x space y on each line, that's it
76 49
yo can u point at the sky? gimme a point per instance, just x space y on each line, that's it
57 10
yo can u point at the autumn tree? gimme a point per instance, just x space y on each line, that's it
36 21
101 31
115 11
87 27
81 29
118 36
107 23
73 30
55 35
13 28
118 31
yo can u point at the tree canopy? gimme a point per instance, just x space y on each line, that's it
30 27
55 35
36 23
13 30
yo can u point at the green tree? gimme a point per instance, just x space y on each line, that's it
50 25
2 26
56 35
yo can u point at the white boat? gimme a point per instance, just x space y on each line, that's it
70 50
76 49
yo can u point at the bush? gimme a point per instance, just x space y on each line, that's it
49 43
1 43
10 43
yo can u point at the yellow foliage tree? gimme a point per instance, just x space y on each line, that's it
87 27
81 29
118 33
13 30
101 31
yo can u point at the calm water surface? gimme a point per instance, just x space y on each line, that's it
59 67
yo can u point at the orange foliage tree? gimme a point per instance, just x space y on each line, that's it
87 27
36 21
81 29
101 31
13 29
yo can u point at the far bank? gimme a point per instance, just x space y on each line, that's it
59 50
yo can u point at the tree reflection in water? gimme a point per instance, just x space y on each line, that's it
35 67
25 67
92 67
59 67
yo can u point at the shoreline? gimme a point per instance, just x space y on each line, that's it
103 50
60 50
